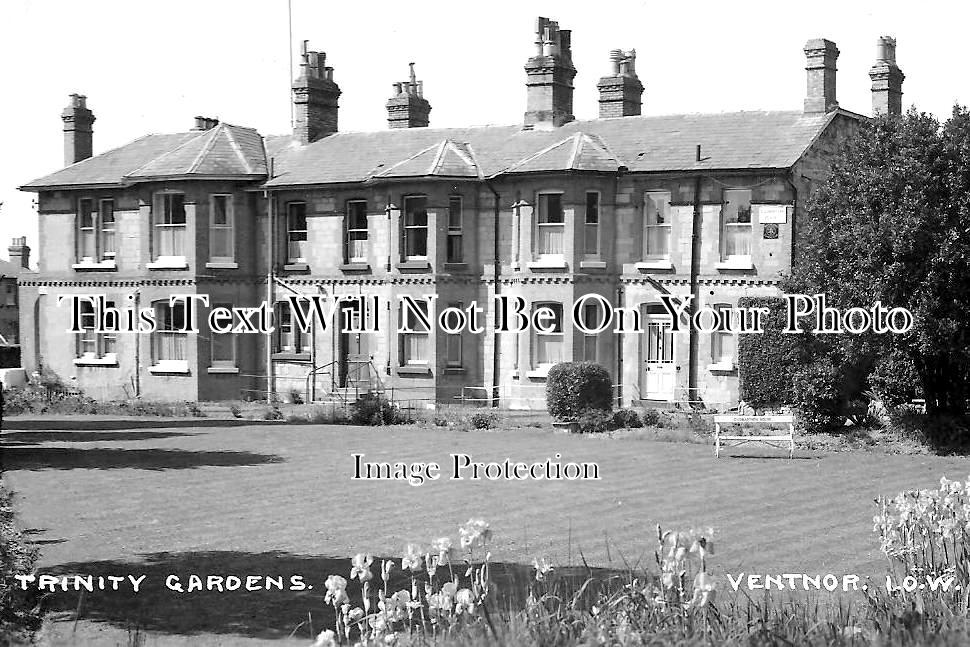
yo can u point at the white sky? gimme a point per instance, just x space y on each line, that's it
153 66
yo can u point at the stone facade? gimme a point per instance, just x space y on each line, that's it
549 213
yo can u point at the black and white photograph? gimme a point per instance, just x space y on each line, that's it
440 324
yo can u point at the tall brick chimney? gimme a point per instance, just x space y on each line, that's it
408 108
549 77
821 55
620 93
887 79
314 98
78 131
19 253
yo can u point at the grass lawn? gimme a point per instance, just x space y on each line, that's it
212 497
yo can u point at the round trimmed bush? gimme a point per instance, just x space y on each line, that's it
626 419
818 397
573 388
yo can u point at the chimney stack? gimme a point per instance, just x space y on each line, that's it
887 79
19 253
549 77
820 55
314 98
620 93
407 107
78 131
205 123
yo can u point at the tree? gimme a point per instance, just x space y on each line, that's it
892 224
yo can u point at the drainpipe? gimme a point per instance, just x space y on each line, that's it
496 364
137 347
695 263
270 206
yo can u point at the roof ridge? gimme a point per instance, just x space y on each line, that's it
163 155
212 134
230 133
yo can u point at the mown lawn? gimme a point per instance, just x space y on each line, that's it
196 496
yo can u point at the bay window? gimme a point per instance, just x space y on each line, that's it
415 228
296 233
90 345
550 226
548 345
723 342
289 337
95 230
169 225
455 251
414 345
656 207
221 239
591 228
736 225
170 339
355 241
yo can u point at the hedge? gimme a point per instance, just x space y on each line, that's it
767 361
572 388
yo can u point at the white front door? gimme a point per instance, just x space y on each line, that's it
659 373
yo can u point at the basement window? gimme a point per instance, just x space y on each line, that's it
414 345
723 341
549 344
94 348
170 339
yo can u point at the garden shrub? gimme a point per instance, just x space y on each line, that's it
595 421
575 387
373 409
484 420
626 419
895 380
652 418
20 614
767 362
818 397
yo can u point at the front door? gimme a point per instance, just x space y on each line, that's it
353 367
659 373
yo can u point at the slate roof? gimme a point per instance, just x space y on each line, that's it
224 150
734 140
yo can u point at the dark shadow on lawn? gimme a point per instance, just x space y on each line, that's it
37 437
84 423
263 613
68 458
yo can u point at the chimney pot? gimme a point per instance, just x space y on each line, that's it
820 58
408 108
887 79
549 78
19 252
620 94
314 98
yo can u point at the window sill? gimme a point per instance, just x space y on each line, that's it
286 356
662 264
742 263
456 267
223 370
414 265
222 265
355 266
168 263
171 367
296 267
111 359
548 264
539 373
454 370
592 264
108 265
414 370
721 367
